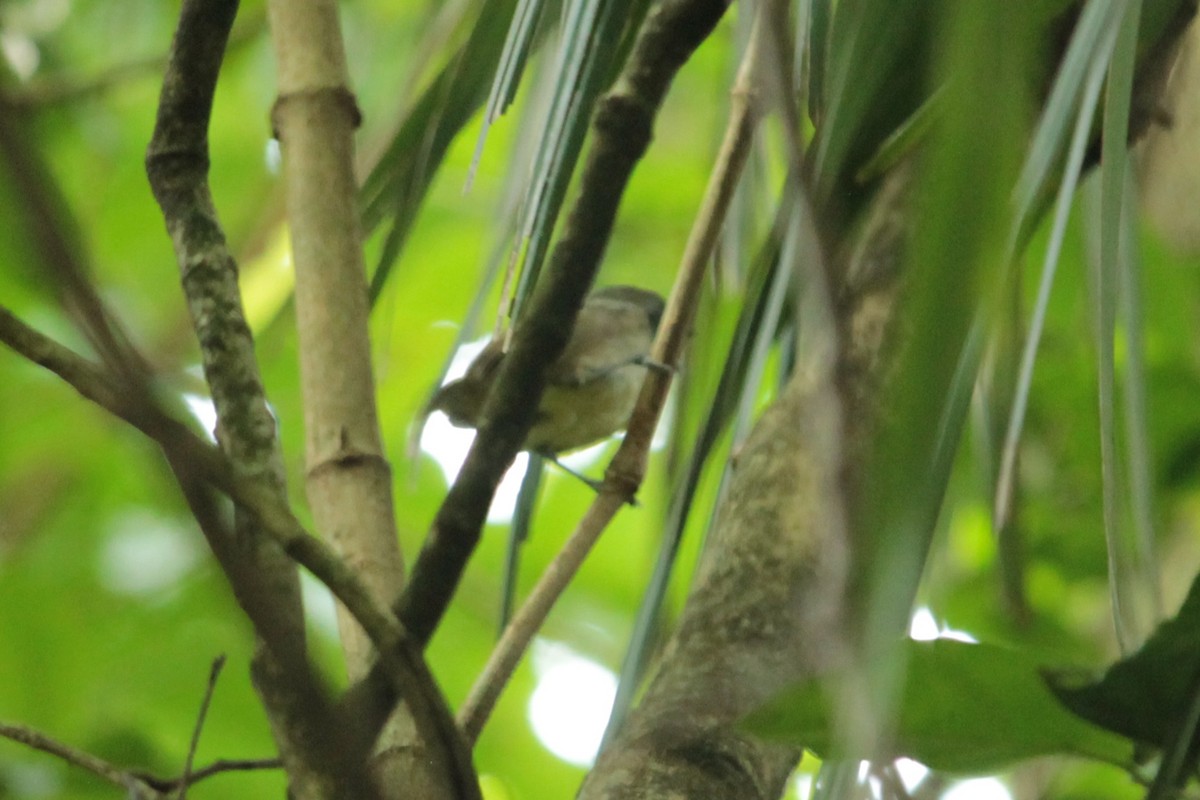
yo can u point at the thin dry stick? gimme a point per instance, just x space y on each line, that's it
401 661
134 786
216 768
213 674
624 474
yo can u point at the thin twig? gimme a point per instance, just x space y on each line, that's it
213 674
625 472
134 785
167 785
139 784
402 665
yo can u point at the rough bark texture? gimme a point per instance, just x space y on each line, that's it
765 610
768 605
264 579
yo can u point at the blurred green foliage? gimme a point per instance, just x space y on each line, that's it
98 653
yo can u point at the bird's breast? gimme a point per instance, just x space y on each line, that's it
571 417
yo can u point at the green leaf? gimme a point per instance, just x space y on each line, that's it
1144 695
396 185
960 218
1125 585
595 40
964 708
867 92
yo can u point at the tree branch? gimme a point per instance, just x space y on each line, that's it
402 664
135 786
348 479
177 162
628 466
768 604
622 127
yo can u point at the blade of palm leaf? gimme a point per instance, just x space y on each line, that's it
867 38
816 45
596 40
398 182
803 48
518 534
1137 436
1046 149
731 387
1115 126
983 416
963 219
563 130
740 224
516 185
954 414
997 390
517 46
958 403
448 25
1066 191
464 80
742 215
901 142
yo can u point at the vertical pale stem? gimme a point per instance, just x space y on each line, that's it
348 480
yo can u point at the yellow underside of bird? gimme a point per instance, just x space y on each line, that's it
571 417
591 388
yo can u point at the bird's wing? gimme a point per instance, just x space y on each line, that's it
462 399
609 334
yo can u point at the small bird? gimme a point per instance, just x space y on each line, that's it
592 387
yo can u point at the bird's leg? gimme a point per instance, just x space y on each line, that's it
595 485
657 366
553 459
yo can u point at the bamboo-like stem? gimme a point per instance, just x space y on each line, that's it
628 467
348 480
